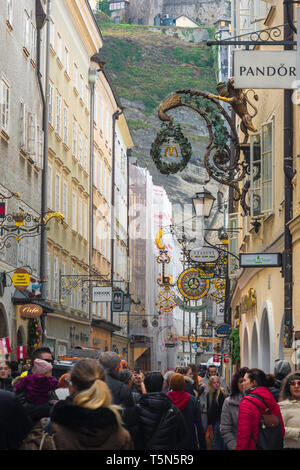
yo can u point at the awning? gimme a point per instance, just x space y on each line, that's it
139 351
21 298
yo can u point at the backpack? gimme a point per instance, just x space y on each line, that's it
269 436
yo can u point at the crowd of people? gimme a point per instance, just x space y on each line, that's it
103 405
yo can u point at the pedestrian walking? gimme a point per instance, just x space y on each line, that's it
190 409
85 420
121 394
162 426
167 378
14 422
215 400
281 369
138 387
62 391
230 409
5 378
36 387
289 403
189 379
256 384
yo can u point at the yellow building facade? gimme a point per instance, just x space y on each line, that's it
74 39
257 302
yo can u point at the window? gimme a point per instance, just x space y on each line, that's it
56 280
267 170
31 136
22 136
81 86
4 105
52 34
58 113
80 216
87 97
67 57
233 242
261 161
85 154
75 76
96 108
74 211
59 47
99 175
80 144
33 42
10 11
85 221
49 186
57 193
74 138
49 287
50 115
40 145
65 201
66 119
27 24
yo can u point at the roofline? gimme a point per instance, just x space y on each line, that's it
196 22
92 13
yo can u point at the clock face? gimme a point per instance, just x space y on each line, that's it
191 285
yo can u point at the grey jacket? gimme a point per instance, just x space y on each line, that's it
229 417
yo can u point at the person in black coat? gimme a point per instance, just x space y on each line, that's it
14 422
190 409
161 424
215 400
121 394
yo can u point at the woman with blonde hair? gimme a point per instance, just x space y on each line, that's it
85 420
215 400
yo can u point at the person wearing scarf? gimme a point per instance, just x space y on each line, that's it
190 409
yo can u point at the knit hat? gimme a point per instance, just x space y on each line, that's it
177 382
41 367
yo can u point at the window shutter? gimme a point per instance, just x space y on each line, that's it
31 134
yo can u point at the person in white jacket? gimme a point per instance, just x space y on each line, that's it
289 402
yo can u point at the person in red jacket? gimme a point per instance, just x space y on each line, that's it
255 382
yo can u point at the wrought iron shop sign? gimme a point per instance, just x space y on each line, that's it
256 260
223 331
101 294
265 69
204 254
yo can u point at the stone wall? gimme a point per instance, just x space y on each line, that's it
204 11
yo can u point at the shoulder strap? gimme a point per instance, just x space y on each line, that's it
259 398
48 431
157 428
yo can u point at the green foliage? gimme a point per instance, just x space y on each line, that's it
34 335
103 5
146 66
235 345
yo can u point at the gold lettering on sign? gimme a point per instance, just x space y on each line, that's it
170 150
31 311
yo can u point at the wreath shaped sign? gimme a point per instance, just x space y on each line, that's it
163 137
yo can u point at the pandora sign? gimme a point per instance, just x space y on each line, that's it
265 69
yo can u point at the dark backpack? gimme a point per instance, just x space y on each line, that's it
269 436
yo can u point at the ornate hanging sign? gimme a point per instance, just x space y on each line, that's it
164 150
191 285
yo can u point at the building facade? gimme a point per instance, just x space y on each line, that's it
21 155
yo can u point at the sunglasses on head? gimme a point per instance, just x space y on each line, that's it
295 382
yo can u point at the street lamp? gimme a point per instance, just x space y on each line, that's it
203 202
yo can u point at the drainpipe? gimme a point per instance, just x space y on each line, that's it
44 201
115 117
288 196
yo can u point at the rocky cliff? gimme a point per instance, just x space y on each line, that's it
146 64
205 12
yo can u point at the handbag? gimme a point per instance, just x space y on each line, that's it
48 431
269 436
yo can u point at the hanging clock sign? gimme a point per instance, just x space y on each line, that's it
191 285
204 254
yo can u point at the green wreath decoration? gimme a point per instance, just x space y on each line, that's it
162 138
